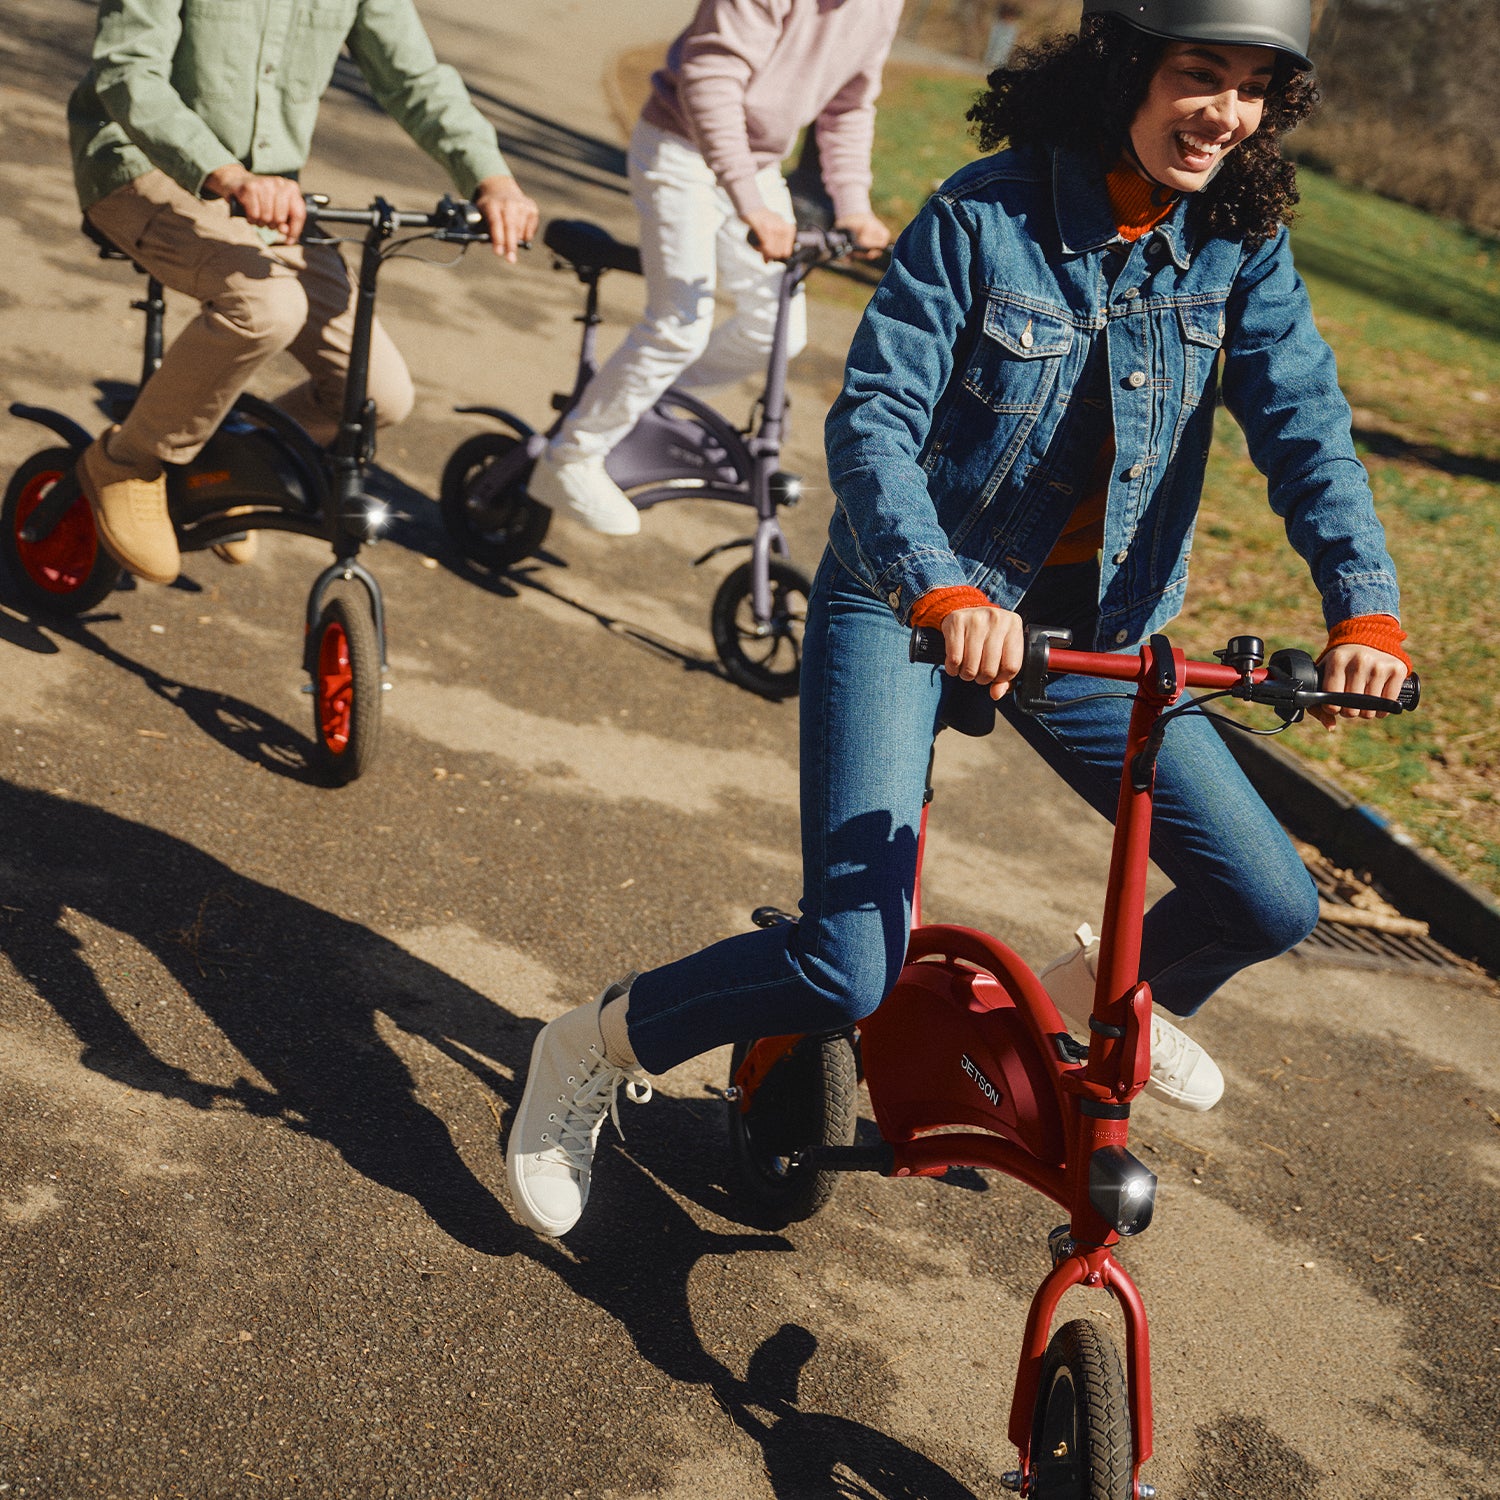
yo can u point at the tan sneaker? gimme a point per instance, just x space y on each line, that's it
241 551
130 513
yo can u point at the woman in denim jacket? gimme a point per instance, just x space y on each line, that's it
1022 435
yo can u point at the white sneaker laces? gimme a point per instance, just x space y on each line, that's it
1172 1051
597 1096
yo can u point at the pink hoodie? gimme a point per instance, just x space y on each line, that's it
747 75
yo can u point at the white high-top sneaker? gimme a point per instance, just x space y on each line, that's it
581 488
1182 1073
570 1087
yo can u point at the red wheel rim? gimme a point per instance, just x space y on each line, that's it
60 563
335 688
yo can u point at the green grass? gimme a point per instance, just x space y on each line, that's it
1411 306
920 137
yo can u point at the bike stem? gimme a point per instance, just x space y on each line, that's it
588 363
355 444
154 306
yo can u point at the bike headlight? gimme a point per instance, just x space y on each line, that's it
377 518
786 489
1121 1189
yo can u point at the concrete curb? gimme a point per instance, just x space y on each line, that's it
1357 837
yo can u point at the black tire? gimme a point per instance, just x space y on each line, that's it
766 660
510 527
346 689
1080 1432
809 1098
68 572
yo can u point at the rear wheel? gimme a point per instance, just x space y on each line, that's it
68 571
764 656
810 1097
346 689
502 529
1080 1433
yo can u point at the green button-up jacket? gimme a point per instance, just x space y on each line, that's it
190 85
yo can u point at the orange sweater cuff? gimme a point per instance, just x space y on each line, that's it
937 604
1383 632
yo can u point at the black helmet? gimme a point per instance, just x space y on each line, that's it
1285 25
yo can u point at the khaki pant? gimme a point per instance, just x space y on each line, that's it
257 300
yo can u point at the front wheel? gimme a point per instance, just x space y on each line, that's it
1080 1432
764 656
346 689
67 572
505 528
809 1097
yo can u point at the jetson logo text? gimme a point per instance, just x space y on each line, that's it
987 1088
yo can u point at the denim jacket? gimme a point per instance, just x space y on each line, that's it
963 436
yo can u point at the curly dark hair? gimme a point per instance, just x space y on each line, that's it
1084 91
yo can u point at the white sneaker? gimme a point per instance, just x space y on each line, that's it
582 489
570 1087
1182 1073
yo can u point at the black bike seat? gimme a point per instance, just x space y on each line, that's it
108 250
590 246
968 708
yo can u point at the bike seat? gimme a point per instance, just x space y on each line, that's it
590 247
108 250
968 708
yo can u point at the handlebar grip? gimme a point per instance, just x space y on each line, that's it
927 645
1405 701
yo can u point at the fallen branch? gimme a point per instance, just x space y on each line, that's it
1357 916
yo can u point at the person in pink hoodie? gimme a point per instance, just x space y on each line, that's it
705 170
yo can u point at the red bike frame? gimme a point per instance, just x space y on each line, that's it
969 1044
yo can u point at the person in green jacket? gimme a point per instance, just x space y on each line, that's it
190 106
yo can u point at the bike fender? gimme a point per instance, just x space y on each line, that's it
74 435
730 546
517 425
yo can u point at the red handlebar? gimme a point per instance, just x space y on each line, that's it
1045 657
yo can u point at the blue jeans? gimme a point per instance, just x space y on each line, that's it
868 720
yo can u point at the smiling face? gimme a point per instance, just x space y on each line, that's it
1203 101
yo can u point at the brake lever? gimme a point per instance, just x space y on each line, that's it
1405 701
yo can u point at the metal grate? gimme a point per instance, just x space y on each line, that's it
1361 947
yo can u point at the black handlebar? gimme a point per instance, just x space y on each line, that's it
813 246
453 219
1287 687
927 646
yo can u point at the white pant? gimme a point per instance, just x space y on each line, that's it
691 241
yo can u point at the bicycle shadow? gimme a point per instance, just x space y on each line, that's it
637 635
549 148
302 995
19 630
818 1456
295 989
246 729
807 1454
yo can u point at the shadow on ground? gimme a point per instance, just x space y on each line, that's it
298 991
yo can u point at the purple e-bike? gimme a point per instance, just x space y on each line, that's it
682 449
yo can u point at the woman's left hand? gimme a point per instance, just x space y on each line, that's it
1358 669
869 234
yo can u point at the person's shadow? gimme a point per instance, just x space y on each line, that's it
299 992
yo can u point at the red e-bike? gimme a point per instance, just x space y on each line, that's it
969 1064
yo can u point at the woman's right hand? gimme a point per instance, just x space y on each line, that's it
773 236
986 645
